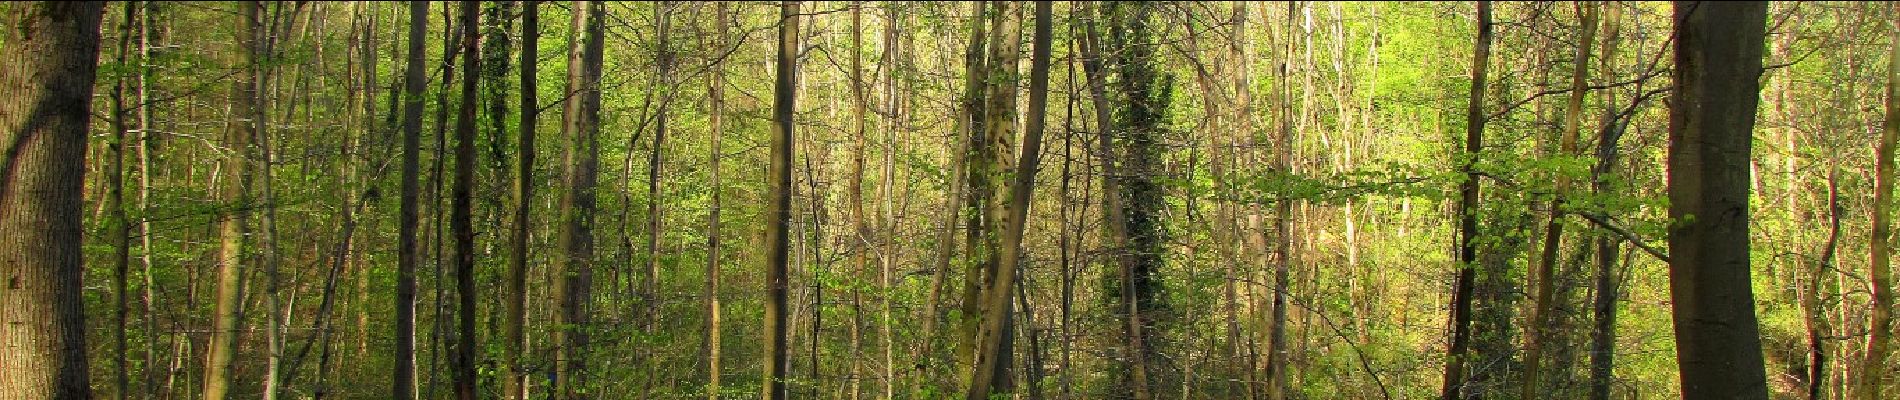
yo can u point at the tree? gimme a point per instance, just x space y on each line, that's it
47 70
1467 214
968 123
1711 121
1545 275
779 209
1880 270
574 270
994 332
716 104
120 226
235 192
517 279
461 202
409 254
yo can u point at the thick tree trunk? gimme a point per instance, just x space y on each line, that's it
574 271
779 210
46 69
1718 61
1455 354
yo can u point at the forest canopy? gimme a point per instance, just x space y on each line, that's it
928 200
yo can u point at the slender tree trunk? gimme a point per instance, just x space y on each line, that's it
968 123
663 60
150 377
235 194
409 254
1718 57
716 98
460 216
120 227
575 270
887 251
1811 298
990 356
1276 368
860 236
516 283
1544 275
1454 381
779 210
1607 287
47 70
1880 272
1095 61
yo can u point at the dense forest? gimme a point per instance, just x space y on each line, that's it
930 200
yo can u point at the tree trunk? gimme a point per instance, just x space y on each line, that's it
991 357
1879 271
235 194
119 227
1544 275
409 253
860 237
516 283
575 269
46 69
968 123
460 216
715 115
1454 381
779 210
1718 59
1607 287
649 292
1276 368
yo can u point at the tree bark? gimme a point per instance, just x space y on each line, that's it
991 356
460 205
1454 381
1544 275
1880 271
779 210
516 283
1608 249
575 271
968 123
715 115
409 253
235 193
47 70
119 227
1718 61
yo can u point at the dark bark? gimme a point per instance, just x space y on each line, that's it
1454 381
1718 55
516 283
47 70
409 253
779 210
